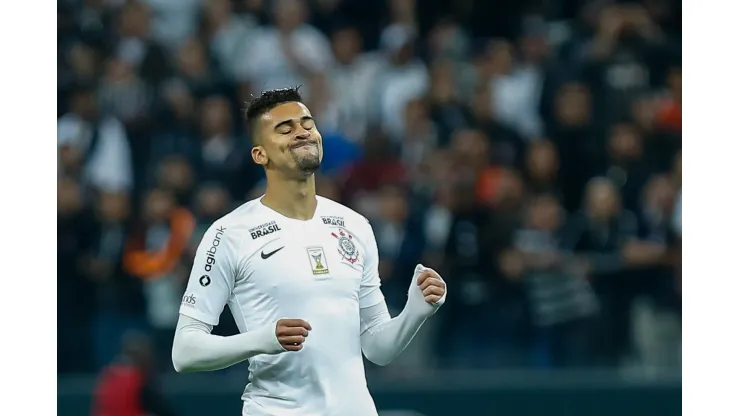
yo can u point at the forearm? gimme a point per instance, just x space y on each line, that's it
386 338
196 349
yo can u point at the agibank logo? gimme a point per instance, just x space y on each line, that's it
211 253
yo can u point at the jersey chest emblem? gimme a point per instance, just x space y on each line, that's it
318 260
346 246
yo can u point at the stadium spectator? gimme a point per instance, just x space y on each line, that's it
224 155
599 234
227 34
669 113
516 91
447 106
508 146
573 131
420 136
154 253
119 295
288 52
542 167
563 304
176 175
93 146
75 294
657 304
129 385
625 164
402 78
352 80
136 47
193 68
470 305
379 165
173 20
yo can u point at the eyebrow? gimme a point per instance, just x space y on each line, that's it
290 121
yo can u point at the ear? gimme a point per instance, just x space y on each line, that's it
259 155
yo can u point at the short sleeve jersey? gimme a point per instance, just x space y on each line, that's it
265 267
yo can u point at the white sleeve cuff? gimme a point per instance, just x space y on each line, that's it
198 315
383 338
196 349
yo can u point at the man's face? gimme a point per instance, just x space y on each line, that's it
346 44
573 105
660 194
544 214
113 206
213 201
216 118
602 201
158 205
289 14
84 104
624 143
289 140
176 173
69 197
542 161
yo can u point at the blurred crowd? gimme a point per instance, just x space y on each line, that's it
528 150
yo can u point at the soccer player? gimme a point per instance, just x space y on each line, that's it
300 275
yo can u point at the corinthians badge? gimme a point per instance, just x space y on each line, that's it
346 248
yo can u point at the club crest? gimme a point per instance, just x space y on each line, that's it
346 247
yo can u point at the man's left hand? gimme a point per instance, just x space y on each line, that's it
432 287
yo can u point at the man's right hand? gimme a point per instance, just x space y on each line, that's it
292 333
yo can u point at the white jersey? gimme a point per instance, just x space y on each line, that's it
266 266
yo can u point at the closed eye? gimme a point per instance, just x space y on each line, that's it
286 126
308 123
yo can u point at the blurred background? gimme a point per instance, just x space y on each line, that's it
529 150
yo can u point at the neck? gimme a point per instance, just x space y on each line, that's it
293 198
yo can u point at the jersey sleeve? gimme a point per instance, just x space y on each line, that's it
213 275
370 293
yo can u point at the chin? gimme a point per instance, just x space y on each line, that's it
308 164
309 168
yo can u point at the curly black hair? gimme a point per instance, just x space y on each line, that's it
267 101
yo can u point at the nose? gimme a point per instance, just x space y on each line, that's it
303 134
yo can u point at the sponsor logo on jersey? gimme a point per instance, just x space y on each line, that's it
188 300
264 229
266 256
335 221
211 253
317 259
205 280
346 246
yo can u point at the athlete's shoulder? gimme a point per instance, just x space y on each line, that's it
241 216
250 222
240 220
342 215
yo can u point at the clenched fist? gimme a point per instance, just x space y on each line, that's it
292 333
431 285
427 292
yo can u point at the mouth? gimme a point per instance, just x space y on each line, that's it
301 145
